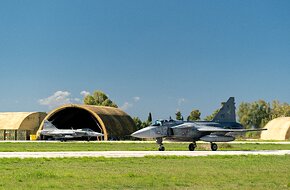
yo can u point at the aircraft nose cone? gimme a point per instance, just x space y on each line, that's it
147 132
142 133
99 134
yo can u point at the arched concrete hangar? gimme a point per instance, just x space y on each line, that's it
112 122
19 125
277 129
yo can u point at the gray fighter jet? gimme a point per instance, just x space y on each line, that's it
223 128
64 134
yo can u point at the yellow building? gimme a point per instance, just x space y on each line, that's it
277 129
112 122
19 125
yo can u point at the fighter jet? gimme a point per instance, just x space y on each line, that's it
64 134
223 128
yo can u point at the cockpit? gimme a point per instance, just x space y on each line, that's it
162 122
170 122
159 122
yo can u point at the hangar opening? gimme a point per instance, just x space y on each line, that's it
112 122
75 118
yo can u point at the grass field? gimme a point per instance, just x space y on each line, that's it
214 172
108 146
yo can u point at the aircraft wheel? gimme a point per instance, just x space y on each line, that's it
161 148
213 146
191 147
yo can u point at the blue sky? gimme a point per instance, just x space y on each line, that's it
148 56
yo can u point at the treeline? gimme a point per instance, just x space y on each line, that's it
257 114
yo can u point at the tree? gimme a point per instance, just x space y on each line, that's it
138 123
145 124
210 117
178 115
254 115
89 100
261 111
194 115
99 98
280 110
244 114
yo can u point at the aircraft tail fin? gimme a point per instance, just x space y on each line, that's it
227 113
48 126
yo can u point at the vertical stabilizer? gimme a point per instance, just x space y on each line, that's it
48 126
227 113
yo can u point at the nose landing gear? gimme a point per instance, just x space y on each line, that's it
159 141
161 148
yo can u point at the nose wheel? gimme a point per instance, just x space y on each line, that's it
213 146
161 148
159 141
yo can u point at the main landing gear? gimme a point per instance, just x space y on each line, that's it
159 141
192 146
213 146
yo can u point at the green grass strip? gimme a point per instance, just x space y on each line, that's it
107 146
213 172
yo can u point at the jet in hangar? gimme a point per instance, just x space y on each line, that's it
65 134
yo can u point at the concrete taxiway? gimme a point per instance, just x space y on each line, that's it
118 154
140 142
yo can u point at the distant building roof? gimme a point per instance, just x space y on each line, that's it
21 120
